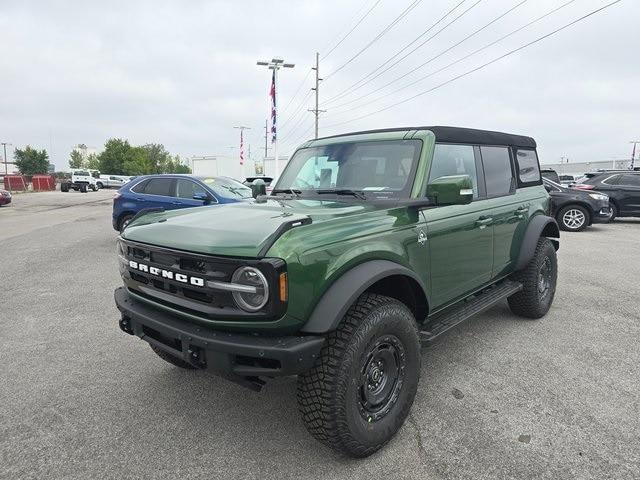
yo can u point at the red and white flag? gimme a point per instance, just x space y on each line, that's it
241 148
272 94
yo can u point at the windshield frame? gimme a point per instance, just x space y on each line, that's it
370 194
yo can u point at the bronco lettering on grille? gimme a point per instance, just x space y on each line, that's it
159 272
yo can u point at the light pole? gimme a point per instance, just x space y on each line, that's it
242 128
6 166
275 64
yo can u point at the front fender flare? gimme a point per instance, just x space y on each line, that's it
539 226
345 290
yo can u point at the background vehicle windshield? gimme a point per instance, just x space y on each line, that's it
81 173
381 166
227 187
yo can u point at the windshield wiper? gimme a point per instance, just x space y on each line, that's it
291 191
343 191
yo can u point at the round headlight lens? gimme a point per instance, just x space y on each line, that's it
251 277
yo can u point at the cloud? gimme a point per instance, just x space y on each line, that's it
184 73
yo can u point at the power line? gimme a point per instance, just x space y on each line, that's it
359 83
475 52
297 91
447 50
299 109
352 29
385 30
473 70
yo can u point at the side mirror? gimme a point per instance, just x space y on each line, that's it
258 187
451 190
202 196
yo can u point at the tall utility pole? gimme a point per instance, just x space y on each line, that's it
266 136
242 128
633 153
275 64
316 111
6 166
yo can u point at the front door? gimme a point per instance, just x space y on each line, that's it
460 237
629 186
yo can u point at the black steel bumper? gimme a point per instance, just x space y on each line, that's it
240 358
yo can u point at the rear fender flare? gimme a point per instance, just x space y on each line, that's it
539 226
339 297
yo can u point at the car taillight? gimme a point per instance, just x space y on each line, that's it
117 195
582 186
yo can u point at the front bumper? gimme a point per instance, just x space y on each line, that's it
602 215
5 200
240 358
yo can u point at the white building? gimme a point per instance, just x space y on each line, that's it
578 168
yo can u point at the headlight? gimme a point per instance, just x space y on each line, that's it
257 297
599 196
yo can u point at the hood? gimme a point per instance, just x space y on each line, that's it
238 229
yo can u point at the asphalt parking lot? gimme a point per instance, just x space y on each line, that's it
500 397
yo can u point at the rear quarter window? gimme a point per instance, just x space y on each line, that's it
528 167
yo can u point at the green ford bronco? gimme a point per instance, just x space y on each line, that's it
370 245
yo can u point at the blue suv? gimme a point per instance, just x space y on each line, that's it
174 191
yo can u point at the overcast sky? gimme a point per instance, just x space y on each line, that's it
183 73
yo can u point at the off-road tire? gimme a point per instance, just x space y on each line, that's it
64 187
532 301
330 395
99 185
173 360
566 225
83 188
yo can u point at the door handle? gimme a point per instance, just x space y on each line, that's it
482 222
522 210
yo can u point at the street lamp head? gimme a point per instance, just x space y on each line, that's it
262 63
288 65
277 60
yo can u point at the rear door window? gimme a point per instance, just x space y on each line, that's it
498 173
159 186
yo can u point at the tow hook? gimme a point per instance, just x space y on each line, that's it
196 356
125 325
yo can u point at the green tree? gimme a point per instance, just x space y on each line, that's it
137 162
158 157
75 159
179 167
112 159
93 162
31 161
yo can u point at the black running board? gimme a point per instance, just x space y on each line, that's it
444 321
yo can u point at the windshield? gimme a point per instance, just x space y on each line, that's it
227 187
81 173
379 168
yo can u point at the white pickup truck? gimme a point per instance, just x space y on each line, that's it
81 180
112 181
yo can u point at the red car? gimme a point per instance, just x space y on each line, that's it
5 197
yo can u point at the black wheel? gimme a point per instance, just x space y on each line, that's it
167 357
64 187
124 221
99 185
538 280
94 188
573 218
83 188
360 391
614 212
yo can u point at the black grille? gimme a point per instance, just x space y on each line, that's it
203 300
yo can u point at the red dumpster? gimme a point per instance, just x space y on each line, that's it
43 183
15 183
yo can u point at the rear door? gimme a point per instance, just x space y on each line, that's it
460 237
156 193
507 210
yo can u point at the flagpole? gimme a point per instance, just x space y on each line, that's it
242 128
275 64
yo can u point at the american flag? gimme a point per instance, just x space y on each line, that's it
241 148
272 94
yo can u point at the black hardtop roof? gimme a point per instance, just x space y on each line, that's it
460 135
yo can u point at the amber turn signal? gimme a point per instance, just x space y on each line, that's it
284 287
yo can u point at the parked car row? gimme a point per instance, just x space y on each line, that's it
598 197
